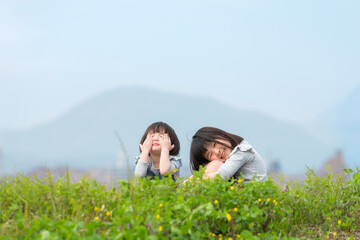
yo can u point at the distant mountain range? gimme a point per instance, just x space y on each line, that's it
84 137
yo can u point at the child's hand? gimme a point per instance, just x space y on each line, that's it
165 143
187 180
147 144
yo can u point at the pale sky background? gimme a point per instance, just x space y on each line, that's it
290 59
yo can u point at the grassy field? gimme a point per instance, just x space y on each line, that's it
318 208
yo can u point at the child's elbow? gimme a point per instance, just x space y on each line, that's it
139 175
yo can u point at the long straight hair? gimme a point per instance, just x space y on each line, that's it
157 127
202 140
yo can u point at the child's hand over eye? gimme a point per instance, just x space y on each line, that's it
147 144
165 143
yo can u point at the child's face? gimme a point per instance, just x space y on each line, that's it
219 152
156 136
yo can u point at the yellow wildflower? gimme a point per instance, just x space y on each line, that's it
158 216
107 213
339 222
232 188
259 234
97 218
229 238
216 201
235 209
334 234
238 236
228 216
274 201
96 209
239 180
175 170
160 228
259 200
213 235
268 199
161 205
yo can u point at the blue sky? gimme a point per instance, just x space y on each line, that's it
290 59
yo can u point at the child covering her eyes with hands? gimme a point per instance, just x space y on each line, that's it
159 152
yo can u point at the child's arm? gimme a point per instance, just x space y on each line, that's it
247 159
166 147
234 163
212 168
141 168
143 162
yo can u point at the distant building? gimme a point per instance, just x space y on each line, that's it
335 163
274 167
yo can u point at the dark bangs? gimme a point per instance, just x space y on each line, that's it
157 127
161 127
197 152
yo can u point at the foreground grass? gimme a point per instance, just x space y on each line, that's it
319 208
